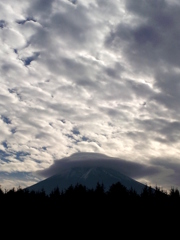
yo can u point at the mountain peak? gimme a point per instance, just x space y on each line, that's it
86 176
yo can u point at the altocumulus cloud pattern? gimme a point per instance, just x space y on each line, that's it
89 76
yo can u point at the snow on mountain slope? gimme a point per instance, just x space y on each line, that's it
87 176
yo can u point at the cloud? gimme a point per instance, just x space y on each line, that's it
152 38
88 77
172 166
90 159
158 172
27 61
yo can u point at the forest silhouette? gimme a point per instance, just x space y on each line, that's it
78 210
79 199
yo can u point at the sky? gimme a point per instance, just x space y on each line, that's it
94 76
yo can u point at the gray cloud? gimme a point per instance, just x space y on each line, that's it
168 84
26 20
132 169
173 179
152 40
78 76
159 172
40 8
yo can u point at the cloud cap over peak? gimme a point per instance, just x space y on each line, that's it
91 159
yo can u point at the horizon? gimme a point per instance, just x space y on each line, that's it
130 169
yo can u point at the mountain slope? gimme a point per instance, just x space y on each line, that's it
87 176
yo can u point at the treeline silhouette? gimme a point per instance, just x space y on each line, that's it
90 210
79 199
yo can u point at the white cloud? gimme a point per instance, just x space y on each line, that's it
82 76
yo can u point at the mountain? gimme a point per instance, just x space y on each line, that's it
87 176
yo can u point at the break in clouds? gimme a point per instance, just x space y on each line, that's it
89 76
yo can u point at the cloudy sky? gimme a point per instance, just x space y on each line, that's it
90 76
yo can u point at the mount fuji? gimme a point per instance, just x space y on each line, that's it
87 169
